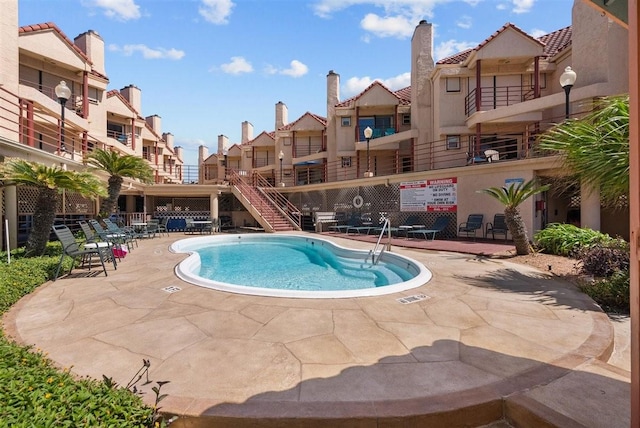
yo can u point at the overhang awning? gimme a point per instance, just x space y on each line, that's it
309 163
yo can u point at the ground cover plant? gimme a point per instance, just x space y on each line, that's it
35 393
604 262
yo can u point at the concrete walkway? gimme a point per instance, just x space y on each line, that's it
491 340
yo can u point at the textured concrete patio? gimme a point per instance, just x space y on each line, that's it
490 340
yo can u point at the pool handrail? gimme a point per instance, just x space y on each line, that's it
385 227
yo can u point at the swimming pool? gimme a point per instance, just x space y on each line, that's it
293 266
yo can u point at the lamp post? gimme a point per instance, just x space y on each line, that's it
63 93
281 157
567 80
368 132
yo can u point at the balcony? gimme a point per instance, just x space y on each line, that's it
491 98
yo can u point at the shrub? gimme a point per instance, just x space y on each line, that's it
612 293
32 391
603 259
566 239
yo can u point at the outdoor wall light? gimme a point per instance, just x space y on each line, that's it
567 79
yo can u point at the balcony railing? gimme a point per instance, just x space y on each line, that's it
493 97
73 101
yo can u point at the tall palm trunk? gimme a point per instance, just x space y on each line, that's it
43 217
109 204
518 230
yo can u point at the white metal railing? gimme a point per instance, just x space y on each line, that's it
375 255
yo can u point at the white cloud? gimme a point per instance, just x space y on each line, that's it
123 10
390 26
296 69
355 85
536 32
147 52
464 22
472 3
502 6
216 11
397 18
237 65
450 47
522 6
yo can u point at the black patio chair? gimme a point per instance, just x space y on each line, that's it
75 250
498 225
472 225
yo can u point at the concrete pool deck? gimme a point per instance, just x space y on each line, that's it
490 340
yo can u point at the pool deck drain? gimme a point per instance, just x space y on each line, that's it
493 338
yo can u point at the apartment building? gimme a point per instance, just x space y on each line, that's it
39 125
472 118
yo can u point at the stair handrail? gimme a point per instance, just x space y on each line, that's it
246 189
385 227
279 200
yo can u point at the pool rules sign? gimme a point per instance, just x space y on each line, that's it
440 195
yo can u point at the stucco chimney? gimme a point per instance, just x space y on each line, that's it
333 92
203 153
247 132
92 45
133 95
281 115
168 138
223 143
155 122
179 152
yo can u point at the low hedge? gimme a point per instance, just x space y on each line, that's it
35 393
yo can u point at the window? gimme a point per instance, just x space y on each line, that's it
453 142
406 119
346 161
453 84
93 95
346 121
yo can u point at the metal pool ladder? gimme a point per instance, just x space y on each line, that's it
379 249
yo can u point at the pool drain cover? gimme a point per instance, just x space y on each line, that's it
171 289
413 299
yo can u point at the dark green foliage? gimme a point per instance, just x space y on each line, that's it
604 259
33 393
612 293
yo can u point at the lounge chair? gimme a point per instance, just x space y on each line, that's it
439 225
116 236
353 221
162 226
499 226
73 249
92 240
412 222
472 225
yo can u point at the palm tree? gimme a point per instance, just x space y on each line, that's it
596 147
50 182
511 197
118 166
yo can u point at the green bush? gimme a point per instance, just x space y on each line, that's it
566 239
612 294
33 393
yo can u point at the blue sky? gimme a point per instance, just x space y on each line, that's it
205 66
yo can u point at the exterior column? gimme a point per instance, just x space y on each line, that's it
589 207
214 204
11 214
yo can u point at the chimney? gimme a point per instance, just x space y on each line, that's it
203 153
168 138
155 122
281 115
247 132
223 143
179 152
333 92
133 95
92 45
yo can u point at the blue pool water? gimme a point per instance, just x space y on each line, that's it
293 266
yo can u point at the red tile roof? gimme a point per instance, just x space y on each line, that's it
321 119
553 43
403 95
51 26
116 93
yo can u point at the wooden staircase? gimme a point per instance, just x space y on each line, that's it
268 207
